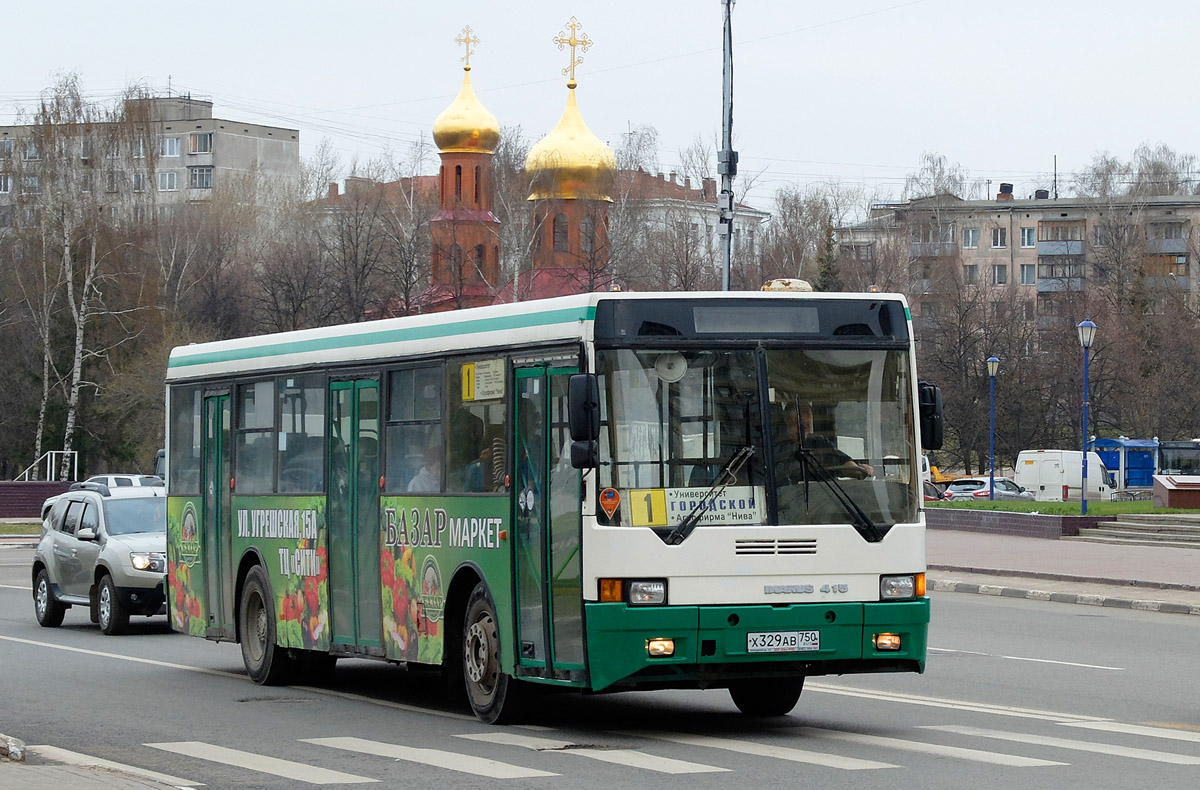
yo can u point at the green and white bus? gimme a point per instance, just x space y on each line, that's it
599 492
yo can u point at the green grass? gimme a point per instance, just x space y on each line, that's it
32 528
1101 507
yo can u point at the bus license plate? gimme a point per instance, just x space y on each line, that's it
782 641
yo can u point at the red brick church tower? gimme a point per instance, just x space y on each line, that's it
465 265
571 175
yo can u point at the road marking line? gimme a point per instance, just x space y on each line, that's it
626 757
1064 743
16 587
1023 658
995 758
66 757
1138 729
767 750
288 769
135 659
242 676
953 704
451 761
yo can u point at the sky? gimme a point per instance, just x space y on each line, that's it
851 93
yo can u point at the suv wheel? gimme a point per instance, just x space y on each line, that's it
113 617
48 610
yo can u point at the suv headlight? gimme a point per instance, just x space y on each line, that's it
155 561
902 588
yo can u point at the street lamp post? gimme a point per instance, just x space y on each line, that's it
993 365
1087 333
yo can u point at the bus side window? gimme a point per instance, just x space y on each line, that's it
414 428
476 431
254 458
302 434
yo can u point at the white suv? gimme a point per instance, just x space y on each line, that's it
105 549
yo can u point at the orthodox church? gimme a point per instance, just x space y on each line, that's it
571 174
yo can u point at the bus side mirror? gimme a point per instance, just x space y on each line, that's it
583 420
930 415
583 407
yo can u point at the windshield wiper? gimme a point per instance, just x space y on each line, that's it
725 478
862 522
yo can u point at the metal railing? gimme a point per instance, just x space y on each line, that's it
53 460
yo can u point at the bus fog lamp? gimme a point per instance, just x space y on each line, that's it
660 648
897 588
647 593
887 641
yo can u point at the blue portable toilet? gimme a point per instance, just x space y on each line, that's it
1133 461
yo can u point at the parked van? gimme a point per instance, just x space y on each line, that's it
1056 475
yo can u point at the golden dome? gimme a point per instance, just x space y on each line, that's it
571 162
466 125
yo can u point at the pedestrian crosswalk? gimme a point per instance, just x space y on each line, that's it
525 753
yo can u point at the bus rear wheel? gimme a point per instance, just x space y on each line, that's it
766 696
494 696
266 662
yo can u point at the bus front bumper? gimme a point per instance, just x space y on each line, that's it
716 644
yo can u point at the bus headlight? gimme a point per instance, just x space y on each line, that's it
647 593
901 588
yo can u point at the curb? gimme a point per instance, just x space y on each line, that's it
1067 577
1086 599
12 749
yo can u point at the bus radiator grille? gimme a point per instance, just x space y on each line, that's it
771 546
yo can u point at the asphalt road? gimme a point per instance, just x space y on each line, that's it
1017 693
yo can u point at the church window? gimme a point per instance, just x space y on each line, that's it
560 232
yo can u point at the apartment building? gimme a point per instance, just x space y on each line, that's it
163 150
1041 250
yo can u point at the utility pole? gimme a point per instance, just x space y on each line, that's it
727 157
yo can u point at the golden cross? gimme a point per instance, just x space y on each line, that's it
583 42
469 39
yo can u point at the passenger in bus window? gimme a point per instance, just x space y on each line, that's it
429 479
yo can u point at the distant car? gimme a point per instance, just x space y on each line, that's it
931 492
104 548
976 488
125 481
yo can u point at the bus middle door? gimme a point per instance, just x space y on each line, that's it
356 609
216 521
546 503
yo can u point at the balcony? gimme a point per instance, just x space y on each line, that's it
932 249
1166 246
1060 284
1060 248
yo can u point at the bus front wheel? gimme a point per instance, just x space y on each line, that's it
766 696
266 662
493 695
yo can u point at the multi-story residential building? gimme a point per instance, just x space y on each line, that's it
171 149
1041 251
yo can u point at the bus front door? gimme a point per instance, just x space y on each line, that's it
356 611
546 502
217 544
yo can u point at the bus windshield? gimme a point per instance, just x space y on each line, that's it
828 431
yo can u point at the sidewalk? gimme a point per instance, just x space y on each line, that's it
1151 578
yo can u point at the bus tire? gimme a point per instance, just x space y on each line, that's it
266 662
766 696
494 696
